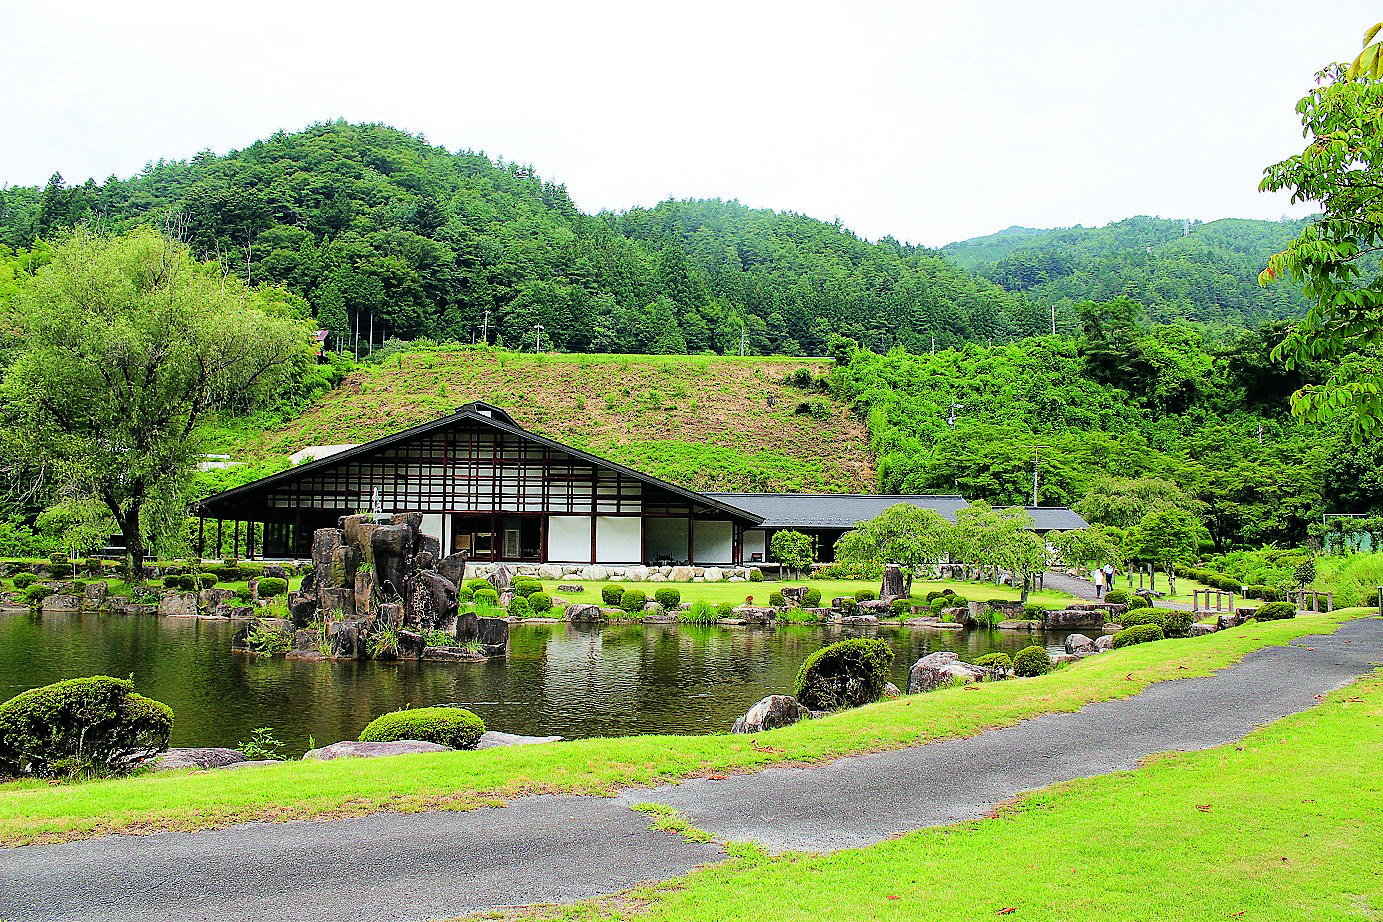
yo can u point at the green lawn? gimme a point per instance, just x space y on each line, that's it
1283 825
736 593
37 812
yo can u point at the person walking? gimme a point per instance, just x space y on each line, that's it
1098 577
1108 577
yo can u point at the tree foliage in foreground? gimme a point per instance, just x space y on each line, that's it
127 346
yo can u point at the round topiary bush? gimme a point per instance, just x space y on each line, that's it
1176 624
865 595
756 575
24 580
1139 633
812 597
172 581
668 597
775 598
1117 596
91 726
1138 601
477 584
519 607
271 586
932 595
995 661
540 602
900 607
849 606
525 586
1143 616
207 580
1275 611
845 674
725 610
610 594
632 600
1032 661
465 594
454 727
486 597
36 593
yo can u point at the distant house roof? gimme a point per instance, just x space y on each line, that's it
1054 518
832 510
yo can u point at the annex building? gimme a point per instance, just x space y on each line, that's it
494 491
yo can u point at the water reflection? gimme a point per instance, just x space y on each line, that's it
570 680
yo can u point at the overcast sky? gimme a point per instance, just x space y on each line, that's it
932 121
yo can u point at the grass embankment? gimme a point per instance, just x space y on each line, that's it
1282 825
37 812
700 421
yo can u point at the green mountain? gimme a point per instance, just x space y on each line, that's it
1179 270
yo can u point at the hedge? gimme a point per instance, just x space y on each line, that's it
995 661
454 727
90 726
845 674
1275 611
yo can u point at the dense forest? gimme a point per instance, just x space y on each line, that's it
1179 270
382 232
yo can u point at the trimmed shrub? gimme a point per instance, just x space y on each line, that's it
775 598
1275 611
519 607
1032 661
845 674
477 584
756 575
36 593
24 580
900 607
1034 612
271 586
632 600
1138 601
1117 596
454 727
995 661
92 726
207 580
933 595
1156 616
724 610
525 586
610 594
849 606
465 594
1139 633
1176 624
865 595
668 597
812 597
172 581
486 597
540 602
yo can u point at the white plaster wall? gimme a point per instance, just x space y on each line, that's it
755 542
569 538
618 539
666 538
713 542
432 525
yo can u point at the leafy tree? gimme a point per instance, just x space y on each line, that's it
1165 538
128 345
1336 257
1123 502
904 534
793 549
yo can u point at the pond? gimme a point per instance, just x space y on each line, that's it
568 680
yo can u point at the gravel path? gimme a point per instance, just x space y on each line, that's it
563 849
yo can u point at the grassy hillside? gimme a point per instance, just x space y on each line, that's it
700 421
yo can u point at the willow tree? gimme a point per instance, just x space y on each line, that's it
128 344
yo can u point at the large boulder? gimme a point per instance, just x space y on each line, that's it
346 639
493 635
432 547
940 669
176 605
492 739
713 574
325 543
502 578
756 614
431 601
1079 643
681 574
94 596
1104 642
453 569
302 608
1073 618
771 713
351 749
585 613
391 546
636 574
595 574
218 602
204 758
794 595
549 571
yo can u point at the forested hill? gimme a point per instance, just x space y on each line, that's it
366 221
1178 270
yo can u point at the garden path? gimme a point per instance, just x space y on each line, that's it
565 849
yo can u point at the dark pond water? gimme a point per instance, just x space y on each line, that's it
572 681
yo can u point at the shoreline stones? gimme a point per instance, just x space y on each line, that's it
943 668
770 713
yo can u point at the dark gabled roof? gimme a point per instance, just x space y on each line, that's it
833 510
477 411
1053 518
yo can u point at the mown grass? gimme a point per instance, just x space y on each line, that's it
1282 825
37 812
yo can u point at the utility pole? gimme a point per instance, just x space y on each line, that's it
951 420
372 333
1035 450
741 340
485 329
538 344
1260 433
355 345
1053 318
933 344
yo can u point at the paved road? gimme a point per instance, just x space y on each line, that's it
563 849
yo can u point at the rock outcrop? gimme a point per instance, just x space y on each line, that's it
770 713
